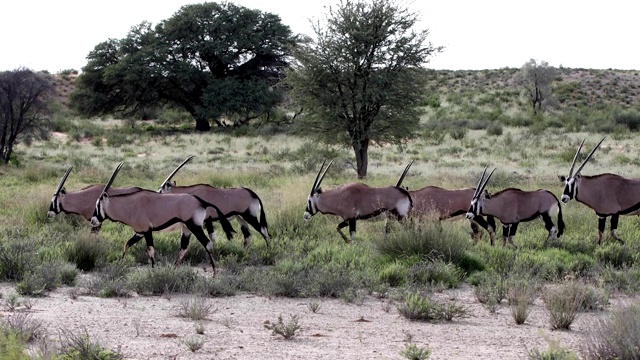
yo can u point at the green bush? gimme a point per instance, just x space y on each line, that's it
615 254
86 251
417 306
12 347
495 129
563 304
17 257
435 272
110 281
163 279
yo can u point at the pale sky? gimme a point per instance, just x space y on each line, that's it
482 34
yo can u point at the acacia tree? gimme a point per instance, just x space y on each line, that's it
360 81
209 59
24 111
535 79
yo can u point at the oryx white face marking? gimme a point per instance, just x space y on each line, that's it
569 190
311 208
473 209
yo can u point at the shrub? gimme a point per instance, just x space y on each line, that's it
435 272
521 294
24 326
110 281
495 129
563 304
412 351
195 308
86 252
422 308
81 346
12 347
193 344
288 330
617 337
17 258
163 279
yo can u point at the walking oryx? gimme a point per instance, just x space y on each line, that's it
512 206
355 201
80 202
607 194
242 203
444 204
146 211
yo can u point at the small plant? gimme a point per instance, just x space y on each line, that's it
80 346
521 293
199 328
24 326
12 301
195 308
412 351
314 307
288 330
420 307
193 344
563 305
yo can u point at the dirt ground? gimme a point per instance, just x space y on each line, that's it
150 328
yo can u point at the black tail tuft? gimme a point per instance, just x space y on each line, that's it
224 222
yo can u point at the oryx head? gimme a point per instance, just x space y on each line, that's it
479 197
167 184
99 212
570 182
316 190
56 205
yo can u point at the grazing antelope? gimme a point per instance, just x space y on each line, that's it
445 204
607 194
80 202
146 211
242 203
512 206
356 201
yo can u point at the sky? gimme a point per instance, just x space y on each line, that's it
477 34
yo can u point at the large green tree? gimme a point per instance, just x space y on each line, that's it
210 59
360 81
24 108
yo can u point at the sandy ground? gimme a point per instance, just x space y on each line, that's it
150 328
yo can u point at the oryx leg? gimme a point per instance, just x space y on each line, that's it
512 232
505 234
614 227
208 224
254 221
352 229
148 237
134 239
244 227
551 228
602 221
476 235
479 221
206 243
184 244
491 228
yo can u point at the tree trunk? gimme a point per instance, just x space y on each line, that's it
362 158
202 124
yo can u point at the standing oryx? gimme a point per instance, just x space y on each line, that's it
356 201
512 206
81 202
146 211
444 204
242 203
607 194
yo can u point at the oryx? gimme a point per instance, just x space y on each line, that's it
146 211
444 204
607 194
356 201
512 206
242 203
80 202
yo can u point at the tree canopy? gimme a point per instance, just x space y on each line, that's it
24 108
535 79
360 80
210 59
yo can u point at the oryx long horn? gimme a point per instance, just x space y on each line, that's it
484 185
64 178
480 182
404 173
573 163
176 170
323 174
113 177
315 182
589 156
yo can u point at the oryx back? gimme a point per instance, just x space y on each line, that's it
443 203
514 205
82 202
360 201
230 201
609 194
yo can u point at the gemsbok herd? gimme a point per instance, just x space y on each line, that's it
190 208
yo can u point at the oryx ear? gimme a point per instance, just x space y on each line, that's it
487 195
562 178
63 191
577 176
318 191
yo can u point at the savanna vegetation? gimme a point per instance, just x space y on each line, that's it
468 120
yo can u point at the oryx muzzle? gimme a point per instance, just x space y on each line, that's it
607 194
355 201
512 206
241 203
